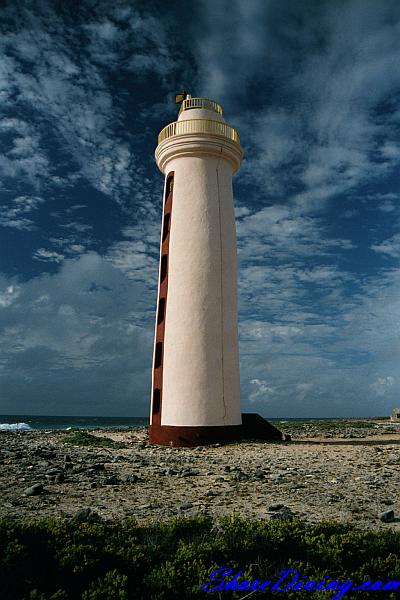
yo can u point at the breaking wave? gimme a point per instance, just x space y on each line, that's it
11 426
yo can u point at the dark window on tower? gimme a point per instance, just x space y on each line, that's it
169 187
166 226
156 400
164 265
161 311
158 356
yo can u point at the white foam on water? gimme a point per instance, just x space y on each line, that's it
14 426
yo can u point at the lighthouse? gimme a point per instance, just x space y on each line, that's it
195 394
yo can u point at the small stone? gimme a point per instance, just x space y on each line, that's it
259 474
274 507
54 471
131 478
98 467
186 505
83 514
240 476
171 472
189 473
386 516
387 501
112 480
151 505
34 490
284 514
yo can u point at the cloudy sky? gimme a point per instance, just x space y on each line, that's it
313 88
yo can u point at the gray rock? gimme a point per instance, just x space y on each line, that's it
387 501
131 478
112 480
386 516
171 471
240 476
34 490
274 507
83 514
98 467
259 474
185 506
189 473
284 514
54 471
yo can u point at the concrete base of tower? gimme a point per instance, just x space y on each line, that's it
253 427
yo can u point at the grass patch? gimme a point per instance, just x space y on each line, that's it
83 438
64 559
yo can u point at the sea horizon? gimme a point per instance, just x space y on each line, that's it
63 422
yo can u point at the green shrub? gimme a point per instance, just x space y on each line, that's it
70 560
83 438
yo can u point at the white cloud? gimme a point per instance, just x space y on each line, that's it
314 121
81 337
11 214
47 255
68 93
381 385
389 247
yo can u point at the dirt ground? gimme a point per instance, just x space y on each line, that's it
354 477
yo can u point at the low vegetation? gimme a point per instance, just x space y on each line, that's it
83 438
96 560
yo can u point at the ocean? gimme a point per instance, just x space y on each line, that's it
26 422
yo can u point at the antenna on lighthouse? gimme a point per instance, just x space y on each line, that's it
180 97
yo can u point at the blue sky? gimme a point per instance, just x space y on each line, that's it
313 88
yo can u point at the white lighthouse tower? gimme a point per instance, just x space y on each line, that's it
196 388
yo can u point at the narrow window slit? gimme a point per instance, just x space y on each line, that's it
164 266
161 311
158 356
166 226
169 187
156 401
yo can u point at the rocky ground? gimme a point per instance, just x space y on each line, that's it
348 472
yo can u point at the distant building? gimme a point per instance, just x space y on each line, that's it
395 416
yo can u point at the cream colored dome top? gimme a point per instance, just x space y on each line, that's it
200 108
199 116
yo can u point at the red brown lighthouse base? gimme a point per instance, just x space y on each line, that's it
253 427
